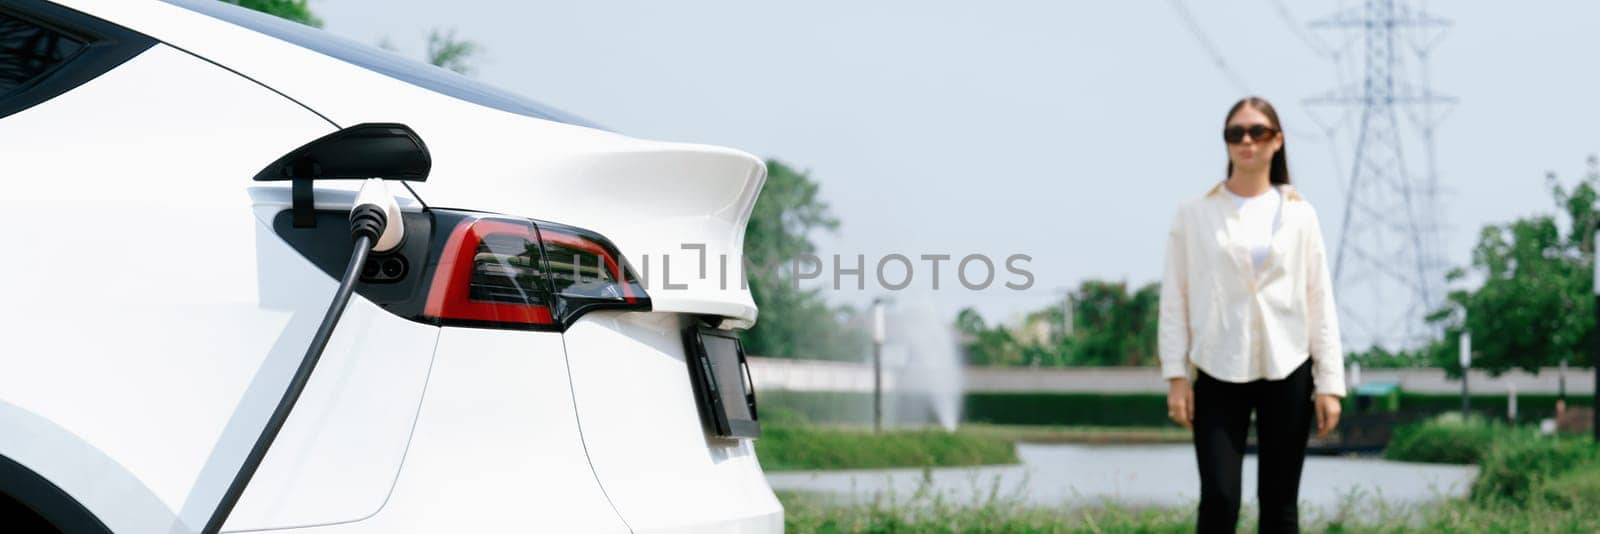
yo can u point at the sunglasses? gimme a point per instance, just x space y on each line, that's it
1235 134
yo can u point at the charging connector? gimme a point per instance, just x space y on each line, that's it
376 225
373 208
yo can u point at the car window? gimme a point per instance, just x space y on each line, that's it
29 51
47 49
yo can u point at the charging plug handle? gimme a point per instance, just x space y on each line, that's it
368 221
377 214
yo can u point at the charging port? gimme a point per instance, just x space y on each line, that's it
386 269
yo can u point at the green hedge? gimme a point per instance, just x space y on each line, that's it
1098 409
1106 409
1531 407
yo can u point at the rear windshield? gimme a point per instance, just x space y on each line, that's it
382 61
29 51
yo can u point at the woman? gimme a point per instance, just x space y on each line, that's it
1247 314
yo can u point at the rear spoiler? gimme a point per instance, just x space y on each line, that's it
677 212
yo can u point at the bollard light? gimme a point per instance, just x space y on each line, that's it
1511 403
1466 365
877 364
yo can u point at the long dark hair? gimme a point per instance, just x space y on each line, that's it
1280 160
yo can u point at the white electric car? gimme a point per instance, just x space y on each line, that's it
544 349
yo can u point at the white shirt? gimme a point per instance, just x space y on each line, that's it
1259 218
1238 321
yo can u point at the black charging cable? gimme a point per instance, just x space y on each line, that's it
367 222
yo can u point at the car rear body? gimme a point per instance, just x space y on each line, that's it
156 312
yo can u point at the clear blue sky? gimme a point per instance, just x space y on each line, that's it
1066 131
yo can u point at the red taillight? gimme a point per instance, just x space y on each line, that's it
605 272
503 272
481 279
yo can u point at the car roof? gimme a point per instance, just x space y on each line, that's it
382 61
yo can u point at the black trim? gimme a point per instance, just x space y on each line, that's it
387 150
327 243
305 214
46 499
368 150
106 46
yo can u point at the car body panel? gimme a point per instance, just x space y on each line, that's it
497 446
638 358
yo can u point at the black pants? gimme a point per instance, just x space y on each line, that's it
1283 425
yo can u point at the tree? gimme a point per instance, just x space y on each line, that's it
448 51
1113 327
444 48
793 322
1535 306
983 345
295 10
1110 327
1376 357
970 322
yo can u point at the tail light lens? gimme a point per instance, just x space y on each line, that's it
502 272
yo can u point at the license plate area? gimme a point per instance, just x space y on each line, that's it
721 376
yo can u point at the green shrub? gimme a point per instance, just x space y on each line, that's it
1577 489
1517 465
1446 439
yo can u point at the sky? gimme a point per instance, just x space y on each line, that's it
1067 131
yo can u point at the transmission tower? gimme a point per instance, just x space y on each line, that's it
1387 268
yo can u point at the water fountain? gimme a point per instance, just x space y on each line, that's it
922 364
921 376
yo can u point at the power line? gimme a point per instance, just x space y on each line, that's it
1316 44
1211 48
